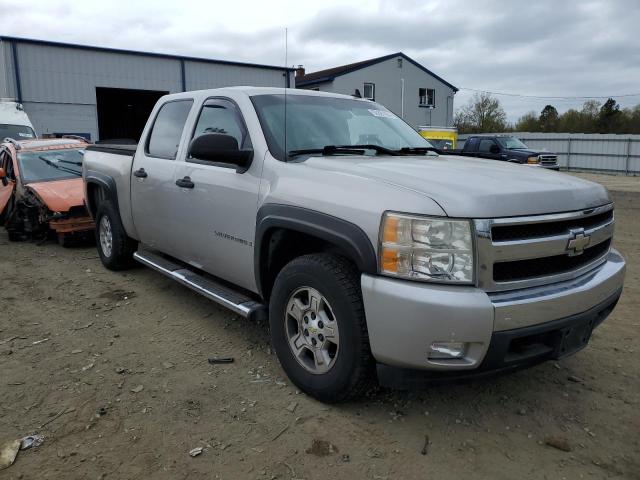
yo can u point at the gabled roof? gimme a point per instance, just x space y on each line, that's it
331 73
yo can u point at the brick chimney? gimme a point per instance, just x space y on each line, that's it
299 71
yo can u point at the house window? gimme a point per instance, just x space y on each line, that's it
427 97
369 91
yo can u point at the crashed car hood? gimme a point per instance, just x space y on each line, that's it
59 195
469 187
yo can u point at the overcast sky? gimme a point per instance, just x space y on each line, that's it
533 47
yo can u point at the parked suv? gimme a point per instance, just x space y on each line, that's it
507 148
369 252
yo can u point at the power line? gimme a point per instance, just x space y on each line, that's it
586 97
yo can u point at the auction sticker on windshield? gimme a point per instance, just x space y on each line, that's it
381 113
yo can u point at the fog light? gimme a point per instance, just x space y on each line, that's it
442 350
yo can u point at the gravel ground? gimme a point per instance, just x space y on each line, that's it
112 369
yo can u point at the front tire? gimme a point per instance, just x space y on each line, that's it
318 327
114 246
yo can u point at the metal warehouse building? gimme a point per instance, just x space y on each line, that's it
105 93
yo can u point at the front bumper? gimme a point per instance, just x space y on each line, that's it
404 318
72 225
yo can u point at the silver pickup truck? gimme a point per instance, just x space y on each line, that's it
370 253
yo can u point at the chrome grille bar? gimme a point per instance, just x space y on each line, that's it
599 229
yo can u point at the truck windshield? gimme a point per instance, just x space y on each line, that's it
43 166
511 143
17 132
317 122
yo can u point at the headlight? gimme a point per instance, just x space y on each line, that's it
429 249
533 160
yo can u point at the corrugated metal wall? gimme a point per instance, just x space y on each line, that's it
7 74
58 84
201 75
594 152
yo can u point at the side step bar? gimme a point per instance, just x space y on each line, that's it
233 300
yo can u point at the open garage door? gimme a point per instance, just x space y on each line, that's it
122 113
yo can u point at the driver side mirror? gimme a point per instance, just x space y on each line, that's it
494 148
3 176
217 148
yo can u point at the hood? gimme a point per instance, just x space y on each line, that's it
528 152
60 195
469 187
523 151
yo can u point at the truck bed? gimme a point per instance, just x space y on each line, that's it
115 148
113 161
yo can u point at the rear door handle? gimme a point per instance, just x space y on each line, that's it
185 182
140 173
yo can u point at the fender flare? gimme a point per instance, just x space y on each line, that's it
107 184
350 238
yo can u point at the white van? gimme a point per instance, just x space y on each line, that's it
14 122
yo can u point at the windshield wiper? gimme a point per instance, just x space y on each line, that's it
326 150
344 150
64 169
79 164
376 148
410 150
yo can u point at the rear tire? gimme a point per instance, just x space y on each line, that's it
338 365
114 246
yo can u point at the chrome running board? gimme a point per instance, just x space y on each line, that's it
235 301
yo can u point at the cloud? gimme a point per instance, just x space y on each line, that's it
542 47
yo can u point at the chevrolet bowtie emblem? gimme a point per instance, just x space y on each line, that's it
578 242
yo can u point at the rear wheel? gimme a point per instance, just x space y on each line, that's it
318 327
114 246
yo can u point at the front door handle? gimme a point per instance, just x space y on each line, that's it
140 173
185 182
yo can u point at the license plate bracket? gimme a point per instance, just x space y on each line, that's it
574 338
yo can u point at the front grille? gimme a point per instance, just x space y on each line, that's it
523 252
548 159
542 267
504 233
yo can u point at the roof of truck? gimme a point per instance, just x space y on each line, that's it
252 91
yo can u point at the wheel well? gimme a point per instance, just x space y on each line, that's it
281 245
95 195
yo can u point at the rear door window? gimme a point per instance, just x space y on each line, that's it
167 129
485 145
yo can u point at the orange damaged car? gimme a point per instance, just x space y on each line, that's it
41 191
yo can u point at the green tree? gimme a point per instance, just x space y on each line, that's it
571 121
589 113
482 114
609 117
632 120
549 119
528 123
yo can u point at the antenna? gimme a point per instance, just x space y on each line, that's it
286 84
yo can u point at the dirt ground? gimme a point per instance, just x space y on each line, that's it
112 369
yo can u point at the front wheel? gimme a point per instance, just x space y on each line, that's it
114 246
318 327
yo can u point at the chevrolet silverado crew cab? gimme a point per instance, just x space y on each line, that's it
369 252
507 148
